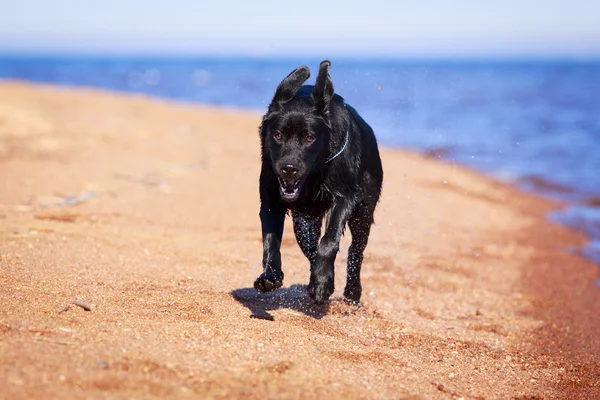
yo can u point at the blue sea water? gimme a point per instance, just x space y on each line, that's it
535 124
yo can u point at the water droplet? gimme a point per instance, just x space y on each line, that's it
200 77
152 77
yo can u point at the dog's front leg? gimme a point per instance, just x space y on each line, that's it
272 216
321 284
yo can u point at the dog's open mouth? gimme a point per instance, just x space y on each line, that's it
290 189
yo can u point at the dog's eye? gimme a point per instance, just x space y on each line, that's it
310 139
277 136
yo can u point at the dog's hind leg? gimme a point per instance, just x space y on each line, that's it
360 227
307 229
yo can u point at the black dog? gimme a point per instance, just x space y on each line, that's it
319 157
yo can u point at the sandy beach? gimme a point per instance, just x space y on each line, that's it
148 211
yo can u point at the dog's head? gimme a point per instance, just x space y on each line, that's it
296 129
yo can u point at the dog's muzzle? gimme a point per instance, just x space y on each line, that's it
289 188
289 183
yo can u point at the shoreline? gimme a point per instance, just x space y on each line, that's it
118 200
537 186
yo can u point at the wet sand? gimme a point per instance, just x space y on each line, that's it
148 211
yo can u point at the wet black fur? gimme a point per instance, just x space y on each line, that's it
345 190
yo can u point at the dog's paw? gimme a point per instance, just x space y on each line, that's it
267 283
320 290
352 294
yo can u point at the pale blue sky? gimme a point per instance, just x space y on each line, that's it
435 28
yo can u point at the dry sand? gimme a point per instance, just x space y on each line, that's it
148 211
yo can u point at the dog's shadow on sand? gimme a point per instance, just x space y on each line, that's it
293 298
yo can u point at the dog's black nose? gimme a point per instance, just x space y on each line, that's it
289 170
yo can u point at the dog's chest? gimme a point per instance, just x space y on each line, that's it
313 204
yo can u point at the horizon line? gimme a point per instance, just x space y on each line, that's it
226 56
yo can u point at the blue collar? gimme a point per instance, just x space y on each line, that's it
343 148
345 144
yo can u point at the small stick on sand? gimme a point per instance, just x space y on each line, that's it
79 303
83 305
61 342
65 309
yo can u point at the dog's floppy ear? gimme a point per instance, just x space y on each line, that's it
323 91
288 87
